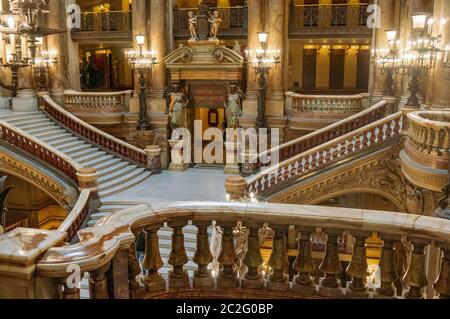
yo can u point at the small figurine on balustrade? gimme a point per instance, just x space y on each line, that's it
178 103
215 21
233 106
193 25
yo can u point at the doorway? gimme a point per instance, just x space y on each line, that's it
337 66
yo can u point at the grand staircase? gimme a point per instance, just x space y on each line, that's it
115 174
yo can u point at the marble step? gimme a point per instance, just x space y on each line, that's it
55 137
89 157
64 141
106 171
84 153
22 116
77 149
103 186
98 160
110 177
48 133
27 120
108 164
125 186
44 126
71 145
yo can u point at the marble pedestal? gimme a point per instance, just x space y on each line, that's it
203 282
177 166
26 101
155 285
178 281
4 102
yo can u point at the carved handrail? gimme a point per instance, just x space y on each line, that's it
101 102
328 133
323 155
27 143
328 15
428 140
77 216
93 134
105 21
98 245
347 104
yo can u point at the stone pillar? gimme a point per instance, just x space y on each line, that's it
388 18
276 26
153 158
139 18
159 45
87 179
56 19
235 188
255 25
440 95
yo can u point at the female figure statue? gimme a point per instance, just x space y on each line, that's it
233 106
178 102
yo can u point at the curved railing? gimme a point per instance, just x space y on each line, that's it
323 135
323 155
114 238
329 104
97 102
43 152
77 216
428 140
93 134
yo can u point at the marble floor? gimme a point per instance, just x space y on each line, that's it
195 184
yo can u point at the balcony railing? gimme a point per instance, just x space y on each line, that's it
313 18
106 21
234 21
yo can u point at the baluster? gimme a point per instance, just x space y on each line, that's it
152 260
331 266
134 269
178 277
436 142
203 257
416 276
253 259
278 260
387 268
304 264
227 275
98 285
429 140
442 285
358 268
71 290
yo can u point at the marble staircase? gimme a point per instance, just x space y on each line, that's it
116 174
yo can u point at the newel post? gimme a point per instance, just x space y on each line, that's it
87 179
235 187
153 158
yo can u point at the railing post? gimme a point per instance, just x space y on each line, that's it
227 275
87 179
235 188
288 103
98 284
153 158
278 260
134 269
392 105
358 268
178 277
416 276
152 260
331 266
304 264
253 259
387 269
203 257
442 285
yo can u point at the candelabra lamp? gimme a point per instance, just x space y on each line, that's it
421 52
387 61
41 66
142 62
262 60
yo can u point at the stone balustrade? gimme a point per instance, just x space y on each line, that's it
326 104
97 102
109 248
429 138
91 133
315 158
77 216
326 134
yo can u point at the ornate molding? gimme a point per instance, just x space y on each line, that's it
62 194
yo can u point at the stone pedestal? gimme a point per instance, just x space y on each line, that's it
26 101
203 282
252 284
304 289
392 104
231 167
249 165
153 158
178 281
4 102
235 187
87 179
155 285
174 165
330 292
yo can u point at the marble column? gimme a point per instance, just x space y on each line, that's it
56 19
276 26
159 45
139 17
255 25
440 94
387 23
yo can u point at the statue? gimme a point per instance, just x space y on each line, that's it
193 25
215 21
233 106
178 102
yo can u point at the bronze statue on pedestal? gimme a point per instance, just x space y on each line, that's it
233 106
178 103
